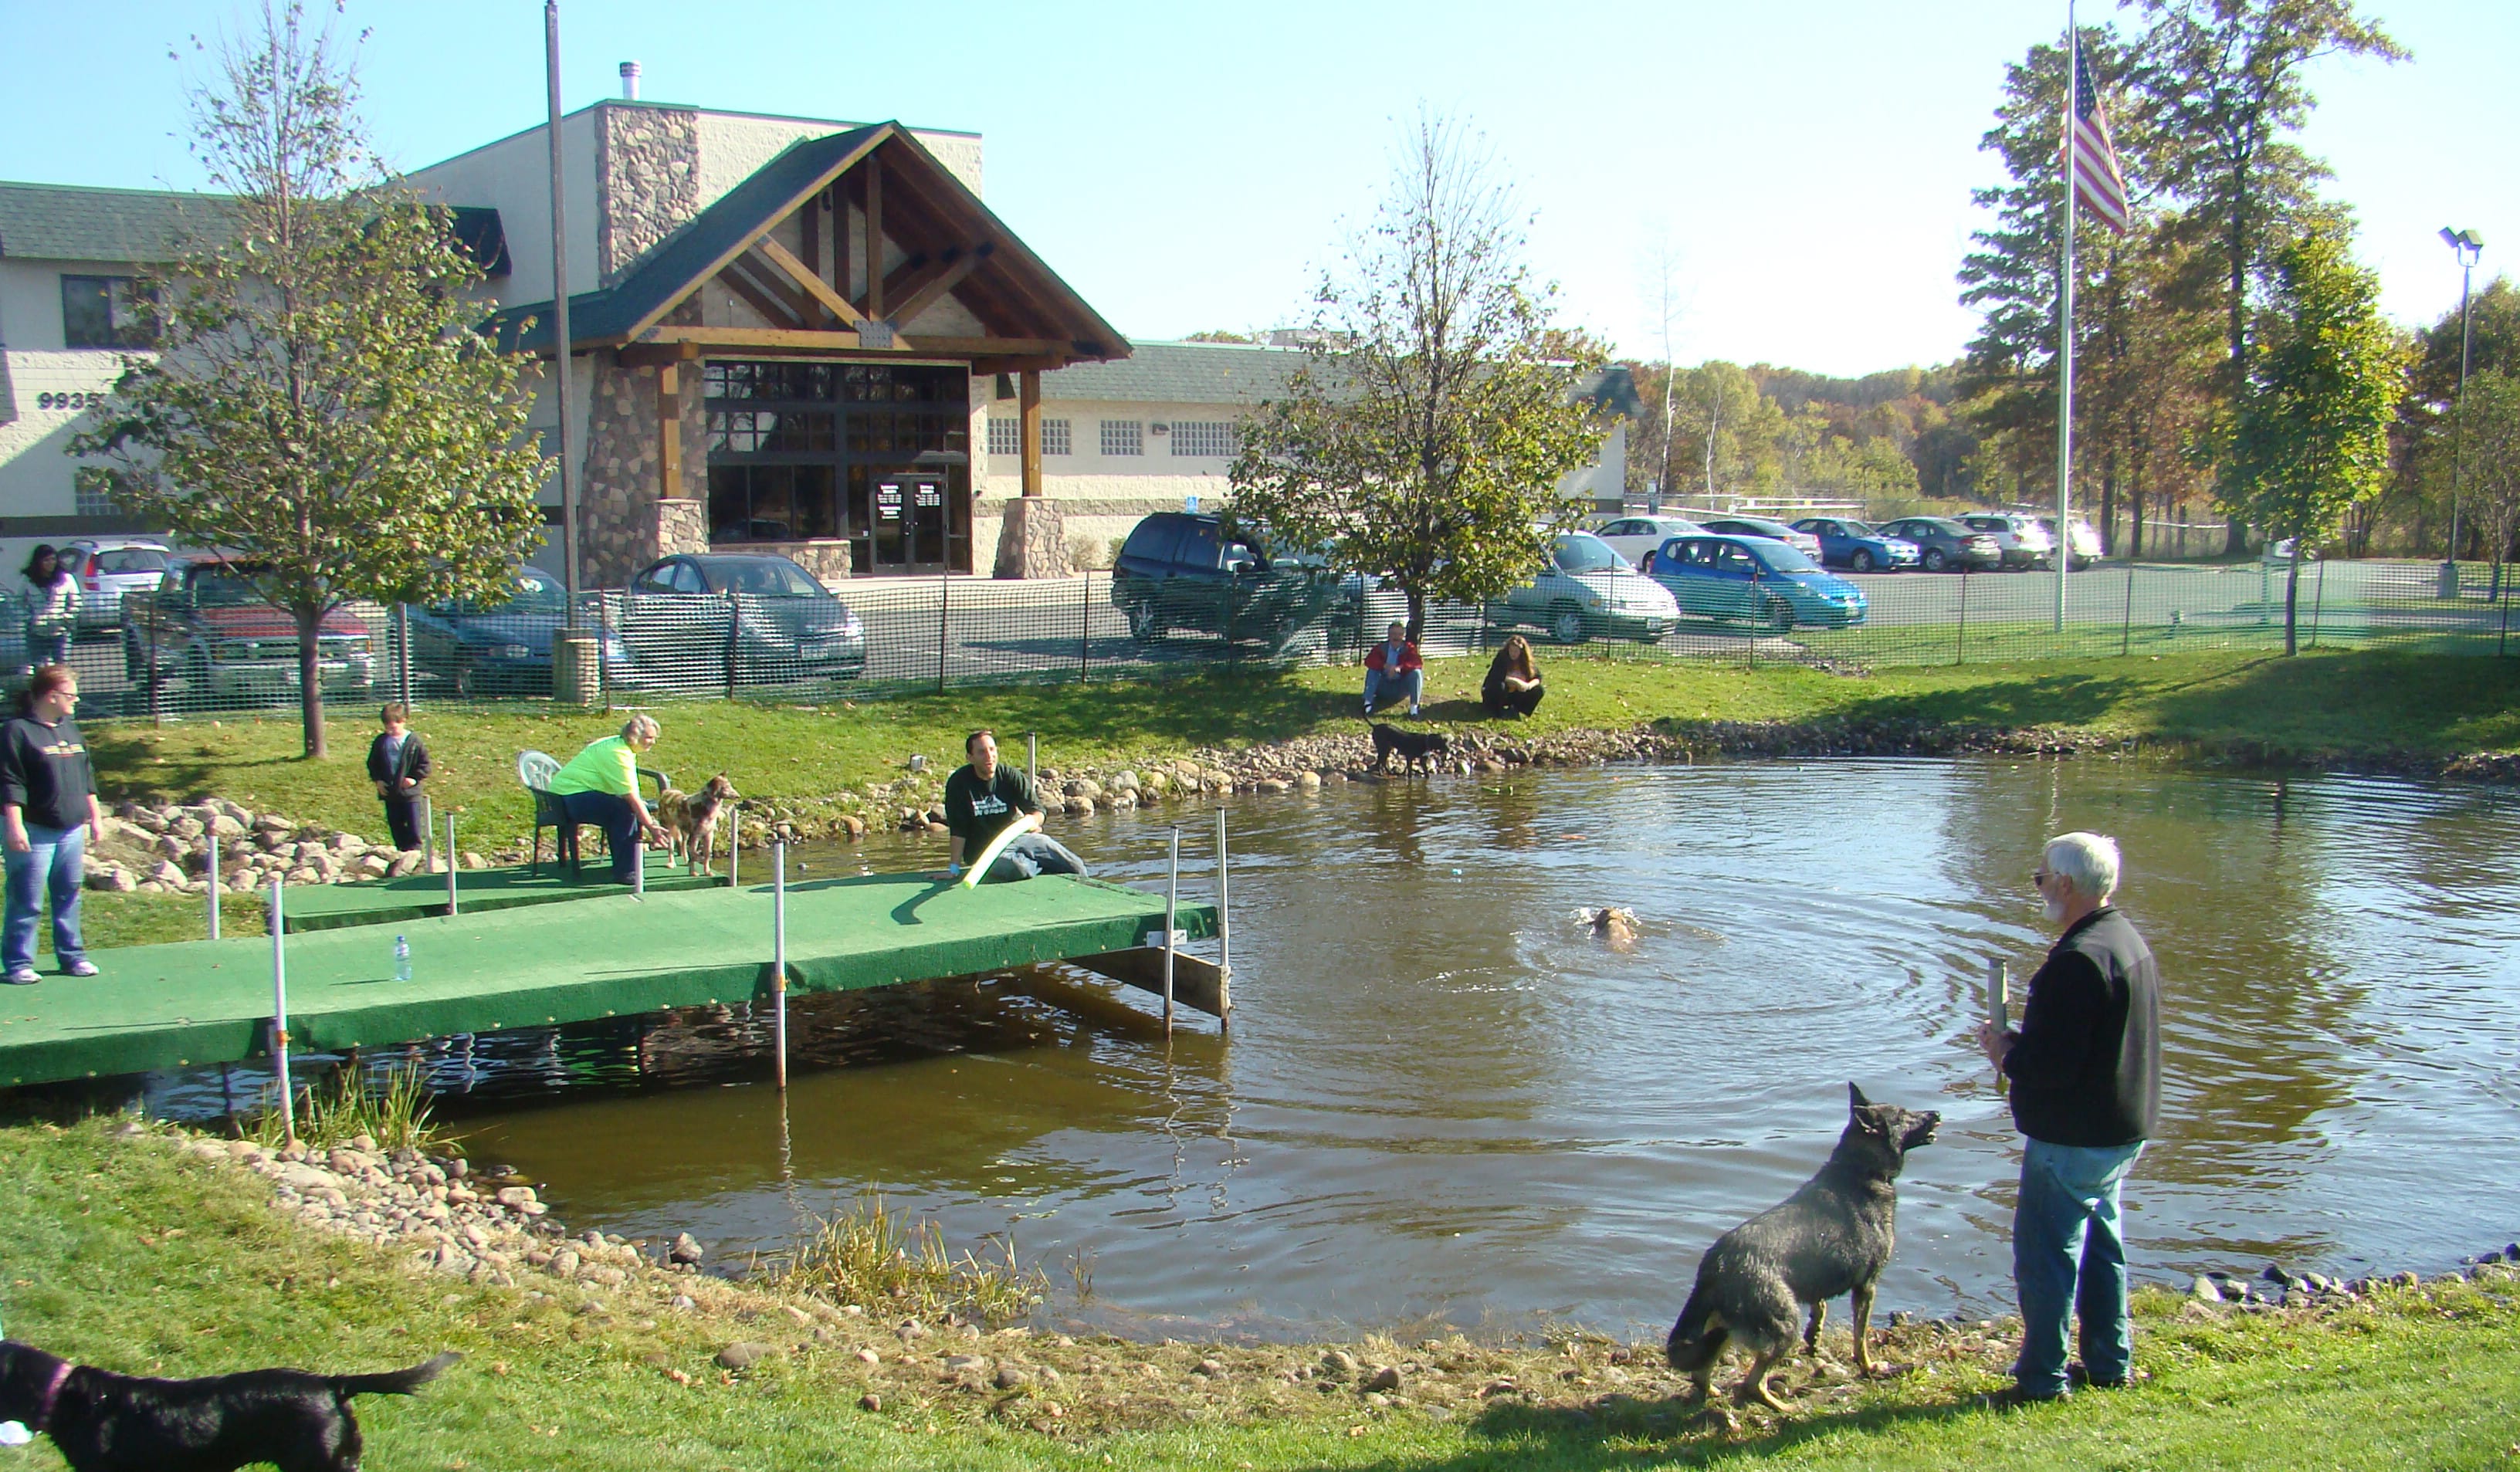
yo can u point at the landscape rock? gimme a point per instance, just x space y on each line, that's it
686 1249
744 1353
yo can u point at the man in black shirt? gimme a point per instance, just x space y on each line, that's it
48 813
986 796
2086 1074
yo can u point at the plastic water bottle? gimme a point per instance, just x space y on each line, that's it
402 958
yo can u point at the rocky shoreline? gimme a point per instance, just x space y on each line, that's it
443 1216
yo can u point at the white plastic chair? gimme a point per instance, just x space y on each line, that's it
536 769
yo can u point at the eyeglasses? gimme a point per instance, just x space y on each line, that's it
2041 875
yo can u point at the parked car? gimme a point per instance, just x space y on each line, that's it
106 568
2086 539
1856 547
1943 544
1756 580
1775 531
2020 542
17 661
504 645
684 617
1589 589
1187 572
207 626
1633 537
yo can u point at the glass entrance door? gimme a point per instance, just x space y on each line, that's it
912 522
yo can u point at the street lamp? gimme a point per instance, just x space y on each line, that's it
2467 245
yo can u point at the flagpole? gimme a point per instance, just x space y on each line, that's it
2062 548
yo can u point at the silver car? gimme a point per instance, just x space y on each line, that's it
2020 541
1589 589
1632 537
106 568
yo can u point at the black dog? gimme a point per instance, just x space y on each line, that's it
104 1422
1413 747
1831 1237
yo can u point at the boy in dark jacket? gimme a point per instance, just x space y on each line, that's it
398 763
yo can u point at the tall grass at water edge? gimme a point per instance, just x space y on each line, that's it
873 1257
391 1110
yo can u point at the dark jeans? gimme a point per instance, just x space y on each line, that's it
47 648
618 816
2069 1257
402 820
1030 856
1501 701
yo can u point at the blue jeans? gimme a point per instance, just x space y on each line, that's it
47 647
51 863
1031 856
616 816
1377 684
2067 1256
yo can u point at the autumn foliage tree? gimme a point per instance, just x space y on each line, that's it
1424 438
318 405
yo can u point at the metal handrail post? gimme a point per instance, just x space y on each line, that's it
1172 906
210 882
453 901
280 1016
779 951
1223 934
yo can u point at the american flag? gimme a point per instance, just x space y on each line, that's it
2098 183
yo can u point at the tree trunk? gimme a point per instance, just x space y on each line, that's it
310 680
2292 598
1417 632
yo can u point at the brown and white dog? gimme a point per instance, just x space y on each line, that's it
689 821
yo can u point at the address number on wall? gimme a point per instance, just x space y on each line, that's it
70 400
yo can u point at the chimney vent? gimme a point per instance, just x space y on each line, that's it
630 81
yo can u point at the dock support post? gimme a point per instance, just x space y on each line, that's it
1224 937
639 868
280 1018
210 884
734 847
1032 761
452 902
1172 905
428 833
779 954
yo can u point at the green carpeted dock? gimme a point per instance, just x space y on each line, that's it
417 896
210 1001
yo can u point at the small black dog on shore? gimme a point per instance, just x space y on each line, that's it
1413 747
104 1422
1831 1237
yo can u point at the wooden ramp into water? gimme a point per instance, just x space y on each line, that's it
614 955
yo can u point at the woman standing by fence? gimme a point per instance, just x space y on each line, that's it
51 609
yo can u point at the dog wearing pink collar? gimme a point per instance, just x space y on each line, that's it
104 1422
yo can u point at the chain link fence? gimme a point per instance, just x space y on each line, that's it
167 657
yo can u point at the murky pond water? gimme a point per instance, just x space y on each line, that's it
1443 1100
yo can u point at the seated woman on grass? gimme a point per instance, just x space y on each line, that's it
1513 687
600 787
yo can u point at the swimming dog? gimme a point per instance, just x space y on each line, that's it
1414 746
104 1422
689 821
1613 925
1831 1237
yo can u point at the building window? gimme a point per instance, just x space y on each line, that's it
1005 435
1056 437
1213 441
1124 437
97 490
104 311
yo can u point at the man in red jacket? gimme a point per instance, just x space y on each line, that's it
1392 668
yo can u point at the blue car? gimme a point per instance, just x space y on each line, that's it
503 646
1857 547
1757 581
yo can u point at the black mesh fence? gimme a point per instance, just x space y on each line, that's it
880 637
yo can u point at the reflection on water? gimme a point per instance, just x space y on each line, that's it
1444 1099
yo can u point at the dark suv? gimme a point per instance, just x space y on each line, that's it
1186 571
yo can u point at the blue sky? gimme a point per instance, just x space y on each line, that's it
1807 168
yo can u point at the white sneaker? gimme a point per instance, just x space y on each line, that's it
1413 713
22 976
82 967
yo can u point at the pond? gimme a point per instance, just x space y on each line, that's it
1444 1101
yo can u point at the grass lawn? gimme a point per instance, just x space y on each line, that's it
123 1254
2320 706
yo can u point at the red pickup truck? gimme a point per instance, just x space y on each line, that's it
208 628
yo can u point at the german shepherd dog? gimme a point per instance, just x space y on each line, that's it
104 1422
1413 747
689 821
1831 1237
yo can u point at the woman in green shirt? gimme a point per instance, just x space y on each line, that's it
600 787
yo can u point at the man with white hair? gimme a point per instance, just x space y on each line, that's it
2085 1073
599 787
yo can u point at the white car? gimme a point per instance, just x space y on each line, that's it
2083 537
2020 541
1587 590
106 568
1632 537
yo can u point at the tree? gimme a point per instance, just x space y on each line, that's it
2312 437
2225 82
1424 438
319 405
2422 495
2491 461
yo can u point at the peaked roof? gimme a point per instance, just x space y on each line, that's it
78 223
1180 372
924 196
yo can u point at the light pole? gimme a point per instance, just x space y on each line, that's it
2467 245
